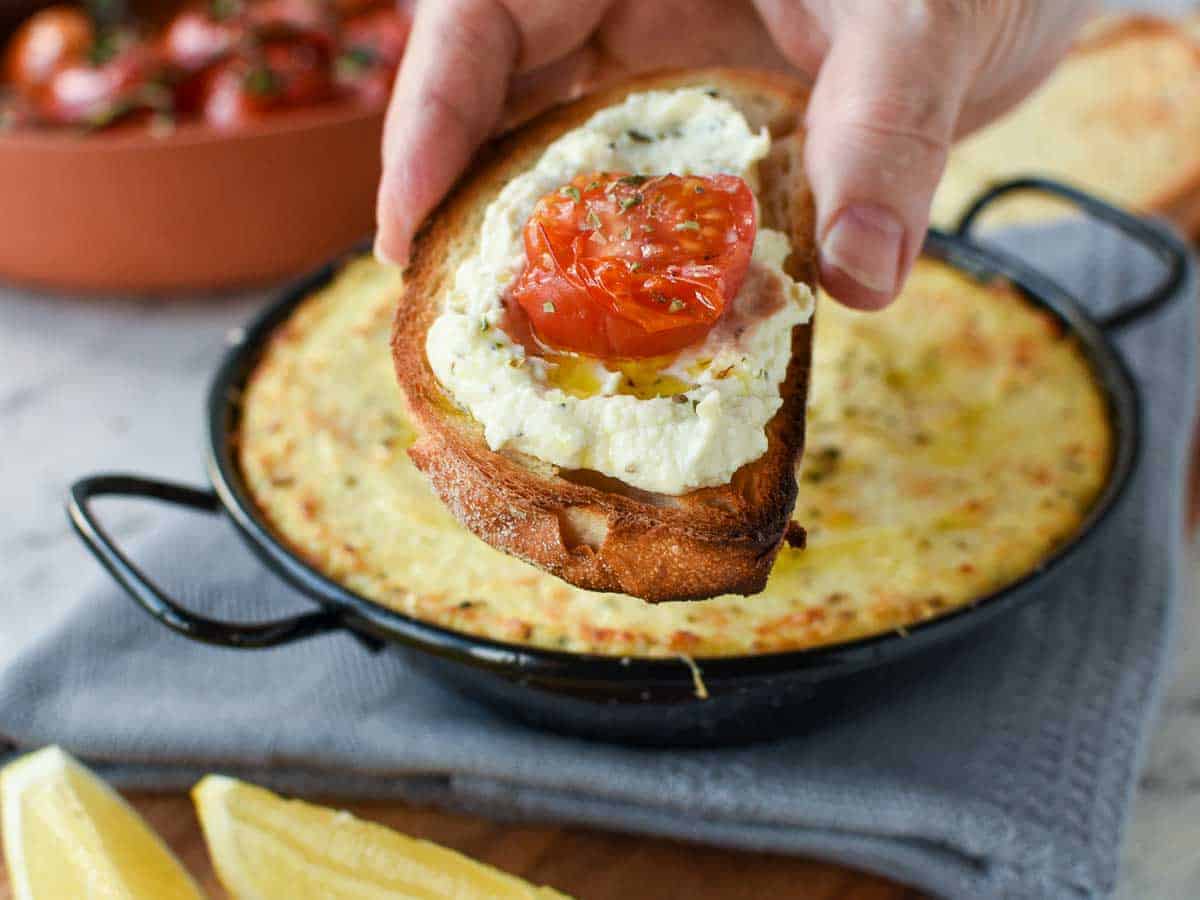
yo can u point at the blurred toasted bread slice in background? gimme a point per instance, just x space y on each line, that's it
1120 118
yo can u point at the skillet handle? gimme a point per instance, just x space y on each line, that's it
244 635
1165 246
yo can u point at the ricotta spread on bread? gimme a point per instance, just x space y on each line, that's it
727 386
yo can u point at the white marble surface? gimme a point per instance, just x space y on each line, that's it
108 384
85 386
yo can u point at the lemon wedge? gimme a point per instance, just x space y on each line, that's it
68 834
267 848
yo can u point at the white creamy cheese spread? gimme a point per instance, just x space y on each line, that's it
668 445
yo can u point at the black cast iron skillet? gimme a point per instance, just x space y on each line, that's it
641 700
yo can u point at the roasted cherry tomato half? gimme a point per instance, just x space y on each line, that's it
372 46
16 113
47 41
345 9
308 20
196 39
634 266
380 34
369 85
281 76
96 95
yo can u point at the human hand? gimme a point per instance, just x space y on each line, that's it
894 82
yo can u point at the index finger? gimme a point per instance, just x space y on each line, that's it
448 96
451 90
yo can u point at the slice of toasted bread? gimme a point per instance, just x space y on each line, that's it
1119 117
589 529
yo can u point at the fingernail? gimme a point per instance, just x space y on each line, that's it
865 242
384 256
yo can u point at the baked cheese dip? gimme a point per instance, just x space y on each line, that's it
667 389
954 441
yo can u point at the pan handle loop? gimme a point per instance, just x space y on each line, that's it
1163 245
244 635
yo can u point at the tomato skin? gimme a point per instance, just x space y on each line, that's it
284 75
625 266
224 101
225 61
370 86
84 94
16 113
194 40
55 37
372 47
347 9
383 33
293 20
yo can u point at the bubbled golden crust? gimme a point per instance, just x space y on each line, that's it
589 530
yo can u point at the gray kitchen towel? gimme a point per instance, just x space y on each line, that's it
1007 773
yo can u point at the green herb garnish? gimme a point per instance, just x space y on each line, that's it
571 191
107 115
631 200
261 82
689 225
223 9
354 61
108 43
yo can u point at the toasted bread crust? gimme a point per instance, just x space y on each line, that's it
585 528
1180 200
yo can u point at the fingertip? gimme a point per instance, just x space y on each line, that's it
390 252
393 238
849 292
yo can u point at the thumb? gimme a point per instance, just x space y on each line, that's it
448 95
880 122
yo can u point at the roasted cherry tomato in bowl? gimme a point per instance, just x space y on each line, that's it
55 37
307 20
16 113
372 46
628 266
97 94
281 76
221 61
345 9
380 33
202 35
197 38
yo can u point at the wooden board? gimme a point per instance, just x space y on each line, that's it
587 864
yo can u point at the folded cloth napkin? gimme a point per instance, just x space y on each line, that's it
1008 773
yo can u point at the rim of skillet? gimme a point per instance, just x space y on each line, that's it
370 618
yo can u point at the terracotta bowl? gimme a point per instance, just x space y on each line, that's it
194 210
